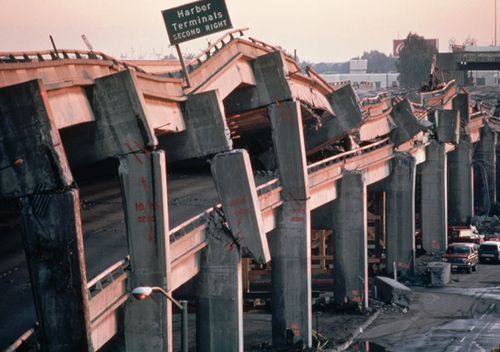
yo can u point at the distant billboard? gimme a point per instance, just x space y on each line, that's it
398 44
195 20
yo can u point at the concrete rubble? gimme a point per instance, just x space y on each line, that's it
439 273
391 291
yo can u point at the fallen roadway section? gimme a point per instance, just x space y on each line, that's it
242 92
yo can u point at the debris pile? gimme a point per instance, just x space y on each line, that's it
486 224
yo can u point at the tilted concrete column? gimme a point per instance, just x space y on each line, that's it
35 170
219 318
233 177
400 214
349 242
220 300
460 198
291 241
434 204
148 323
485 163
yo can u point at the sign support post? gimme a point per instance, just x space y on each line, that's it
183 65
194 20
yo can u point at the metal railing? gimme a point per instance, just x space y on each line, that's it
61 54
346 155
214 47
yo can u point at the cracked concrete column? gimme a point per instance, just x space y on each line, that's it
290 243
400 214
123 131
34 169
148 323
349 241
485 164
434 204
220 297
460 199
219 314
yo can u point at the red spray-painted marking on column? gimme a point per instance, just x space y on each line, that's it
132 151
144 184
150 232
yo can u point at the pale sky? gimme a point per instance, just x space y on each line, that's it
320 30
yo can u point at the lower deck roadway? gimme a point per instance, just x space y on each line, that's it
104 240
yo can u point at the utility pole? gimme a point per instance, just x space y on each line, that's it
495 22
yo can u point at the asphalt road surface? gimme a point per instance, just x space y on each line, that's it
464 316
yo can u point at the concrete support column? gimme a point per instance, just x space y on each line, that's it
434 204
148 324
219 318
290 243
400 214
52 237
35 170
349 242
460 198
220 300
485 164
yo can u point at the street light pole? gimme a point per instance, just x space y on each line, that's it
142 292
495 22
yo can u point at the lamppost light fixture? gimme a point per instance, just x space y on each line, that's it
142 292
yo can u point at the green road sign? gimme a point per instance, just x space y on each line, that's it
195 20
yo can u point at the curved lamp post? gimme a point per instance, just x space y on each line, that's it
142 292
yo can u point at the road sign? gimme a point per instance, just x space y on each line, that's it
195 20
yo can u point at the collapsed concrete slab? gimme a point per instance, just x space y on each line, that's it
407 125
447 126
347 108
271 85
439 273
391 291
206 129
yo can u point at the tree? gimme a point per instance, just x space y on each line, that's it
415 61
379 62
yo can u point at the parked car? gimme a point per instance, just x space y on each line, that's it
492 237
489 251
462 256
